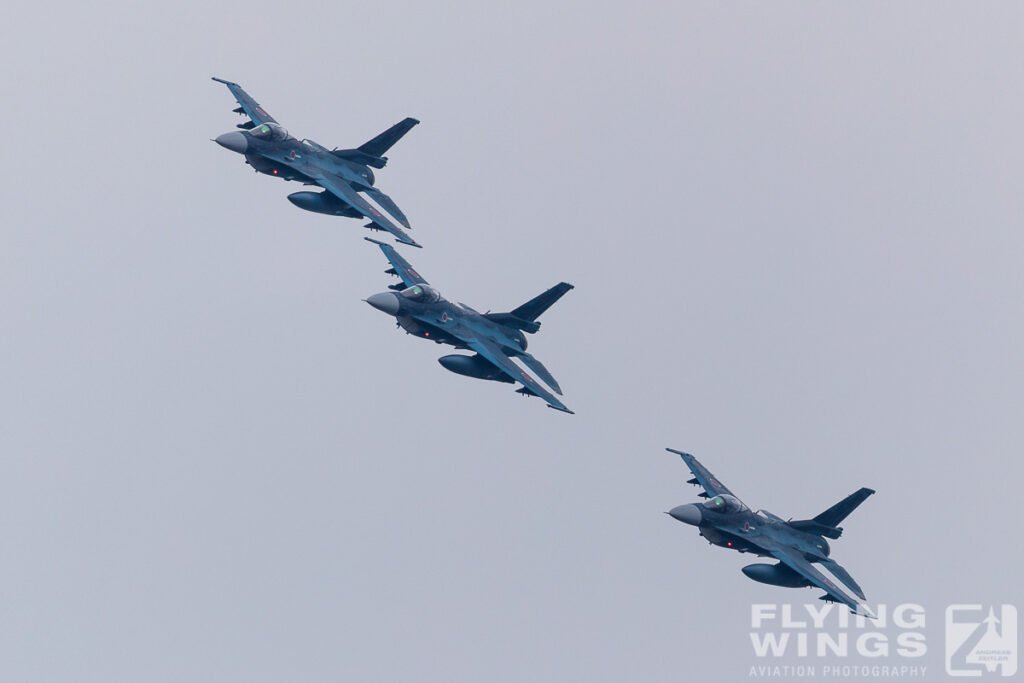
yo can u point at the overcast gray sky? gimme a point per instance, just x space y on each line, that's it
795 235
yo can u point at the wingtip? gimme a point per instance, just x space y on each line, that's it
864 611
677 452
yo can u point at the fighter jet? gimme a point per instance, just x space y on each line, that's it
799 546
344 174
496 338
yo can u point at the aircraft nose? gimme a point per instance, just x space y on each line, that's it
385 301
234 141
688 514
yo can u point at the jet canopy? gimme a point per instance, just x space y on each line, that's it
269 131
725 503
424 294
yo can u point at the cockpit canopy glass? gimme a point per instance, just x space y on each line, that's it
269 131
725 503
424 294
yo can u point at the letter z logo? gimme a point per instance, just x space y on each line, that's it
979 642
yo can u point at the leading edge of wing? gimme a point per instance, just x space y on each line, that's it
492 353
401 267
343 191
388 204
542 372
703 477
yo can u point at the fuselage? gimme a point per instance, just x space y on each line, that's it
435 318
281 156
739 530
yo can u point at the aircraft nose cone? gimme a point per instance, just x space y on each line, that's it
385 301
234 141
688 514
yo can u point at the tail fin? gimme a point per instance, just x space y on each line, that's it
841 510
525 317
379 145
372 153
827 523
533 308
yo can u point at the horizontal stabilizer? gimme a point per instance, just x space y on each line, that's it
510 320
354 155
533 308
812 527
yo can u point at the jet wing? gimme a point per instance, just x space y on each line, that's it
493 353
343 191
795 560
542 372
399 266
712 487
389 205
249 106
840 573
